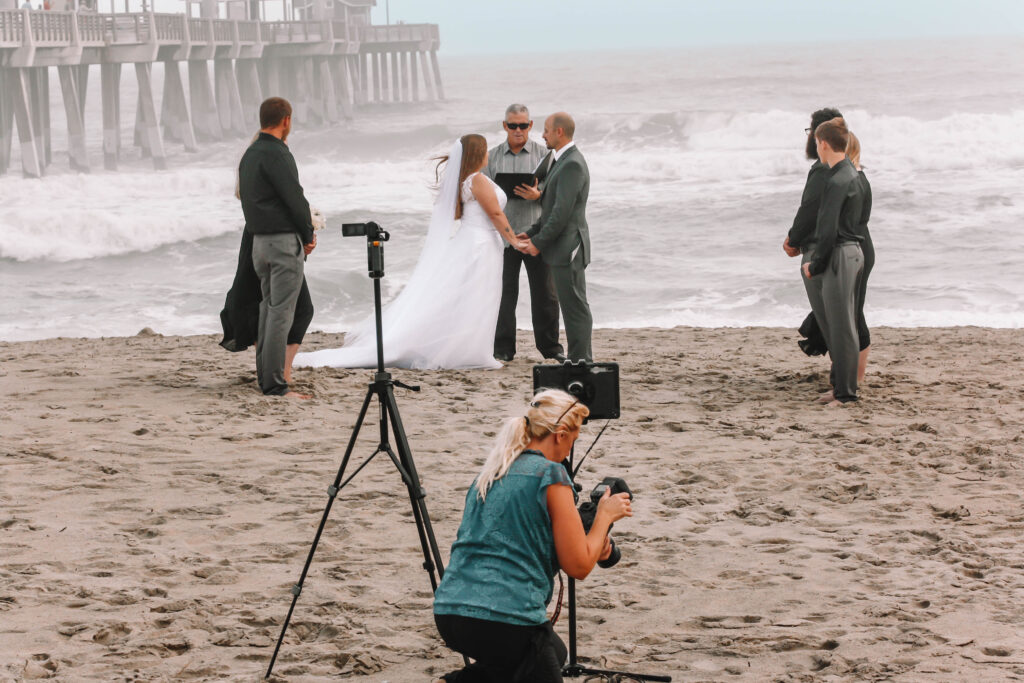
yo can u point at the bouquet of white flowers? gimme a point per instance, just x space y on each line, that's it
317 218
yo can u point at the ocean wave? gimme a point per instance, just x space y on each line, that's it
675 159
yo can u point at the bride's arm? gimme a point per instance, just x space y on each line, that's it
484 193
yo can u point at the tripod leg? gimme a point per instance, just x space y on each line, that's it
332 492
417 496
572 622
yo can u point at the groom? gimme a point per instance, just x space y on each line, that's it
561 235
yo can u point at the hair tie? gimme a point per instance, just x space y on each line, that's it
525 417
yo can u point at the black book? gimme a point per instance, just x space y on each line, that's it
510 181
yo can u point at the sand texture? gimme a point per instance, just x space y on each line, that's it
155 509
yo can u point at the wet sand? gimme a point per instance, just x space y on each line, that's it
155 510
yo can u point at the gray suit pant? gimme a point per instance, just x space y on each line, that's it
833 301
571 286
278 260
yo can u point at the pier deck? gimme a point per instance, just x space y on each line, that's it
326 68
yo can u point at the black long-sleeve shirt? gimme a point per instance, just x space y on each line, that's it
865 215
840 214
268 184
801 235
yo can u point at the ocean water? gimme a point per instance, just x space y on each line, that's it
696 161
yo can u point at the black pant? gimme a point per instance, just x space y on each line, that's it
303 315
543 305
863 332
504 653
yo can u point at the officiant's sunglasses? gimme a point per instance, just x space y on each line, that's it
520 126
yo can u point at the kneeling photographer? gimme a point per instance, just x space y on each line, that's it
519 527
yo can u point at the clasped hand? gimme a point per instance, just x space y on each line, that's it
525 244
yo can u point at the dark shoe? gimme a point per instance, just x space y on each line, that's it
560 357
505 357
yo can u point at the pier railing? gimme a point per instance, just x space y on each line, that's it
64 29
12 27
399 33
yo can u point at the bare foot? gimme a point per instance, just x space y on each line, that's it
835 404
827 397
295 394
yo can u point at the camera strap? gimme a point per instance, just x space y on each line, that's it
596 439
558 605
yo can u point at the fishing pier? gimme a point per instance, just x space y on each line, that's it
326 58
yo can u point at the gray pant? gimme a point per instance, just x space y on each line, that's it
833 299
571 286
278 260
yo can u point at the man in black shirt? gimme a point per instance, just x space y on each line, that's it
277 214
800 239
837 259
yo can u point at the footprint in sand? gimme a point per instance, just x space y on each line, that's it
38 667
112 634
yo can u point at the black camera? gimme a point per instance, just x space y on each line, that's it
371 231
375 236
596 385
589 509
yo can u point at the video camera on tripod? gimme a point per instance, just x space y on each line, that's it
375 236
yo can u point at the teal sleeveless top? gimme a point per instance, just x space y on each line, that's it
503 560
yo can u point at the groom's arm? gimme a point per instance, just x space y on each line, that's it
567 191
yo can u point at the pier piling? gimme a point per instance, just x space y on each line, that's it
329 61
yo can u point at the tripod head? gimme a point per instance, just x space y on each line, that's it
376 236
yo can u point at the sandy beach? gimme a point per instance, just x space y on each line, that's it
155 509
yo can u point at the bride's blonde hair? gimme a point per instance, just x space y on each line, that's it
474 149
550 410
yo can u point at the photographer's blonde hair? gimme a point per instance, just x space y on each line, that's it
549 411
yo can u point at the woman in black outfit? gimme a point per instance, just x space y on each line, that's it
853 153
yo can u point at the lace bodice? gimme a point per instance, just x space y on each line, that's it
467 193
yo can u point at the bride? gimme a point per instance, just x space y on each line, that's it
446 315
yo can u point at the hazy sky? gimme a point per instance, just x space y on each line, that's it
499 26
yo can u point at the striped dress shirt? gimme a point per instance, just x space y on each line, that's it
520 212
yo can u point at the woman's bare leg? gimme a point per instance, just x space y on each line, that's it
862 364
289 357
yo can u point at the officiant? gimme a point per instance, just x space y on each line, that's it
519 154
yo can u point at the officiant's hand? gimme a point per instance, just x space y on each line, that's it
308 248
529 192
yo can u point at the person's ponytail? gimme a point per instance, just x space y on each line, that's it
511 441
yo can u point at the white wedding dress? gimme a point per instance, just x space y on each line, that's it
445 316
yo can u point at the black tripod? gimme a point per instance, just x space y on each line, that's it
572 669
383 387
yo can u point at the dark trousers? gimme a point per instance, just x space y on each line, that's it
571 286
503 653
836 311
278 260
543 305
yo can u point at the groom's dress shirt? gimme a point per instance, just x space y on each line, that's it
557 154
521 213
268 184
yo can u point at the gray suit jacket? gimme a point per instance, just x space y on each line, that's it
563 220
